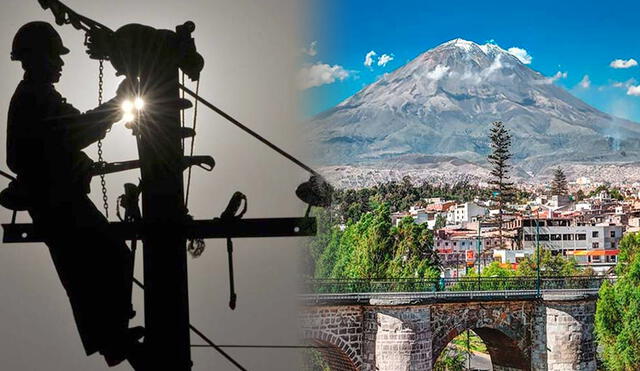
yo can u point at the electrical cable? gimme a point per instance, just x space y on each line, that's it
204 338
249 131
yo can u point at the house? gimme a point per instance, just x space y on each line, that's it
463 213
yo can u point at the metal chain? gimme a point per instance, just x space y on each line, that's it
103 182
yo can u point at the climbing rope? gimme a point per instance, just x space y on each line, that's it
103 182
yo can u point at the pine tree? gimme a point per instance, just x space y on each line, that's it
499 157
559 185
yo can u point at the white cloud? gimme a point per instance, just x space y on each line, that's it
626 84
384 59
634 90
521 54
621 63
585 82
311 50
368 59
559 75
496 65
320 74
437 72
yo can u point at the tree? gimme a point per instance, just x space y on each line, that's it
618 310
559 186
414 255
451 359
441 222
499 159
550 266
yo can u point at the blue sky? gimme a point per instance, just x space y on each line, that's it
577 38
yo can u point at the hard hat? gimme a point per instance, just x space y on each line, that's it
38 37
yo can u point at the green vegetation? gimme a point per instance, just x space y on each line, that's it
373 248
618 310
356 239
313 361
451 359
613 192
551 266
475 343
351 204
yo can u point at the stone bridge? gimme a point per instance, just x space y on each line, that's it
393 332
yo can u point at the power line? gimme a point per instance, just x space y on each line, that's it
248 130
204 338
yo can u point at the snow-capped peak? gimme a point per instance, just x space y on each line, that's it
490 49
461 43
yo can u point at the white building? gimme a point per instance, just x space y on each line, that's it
511 256
463 213
565 238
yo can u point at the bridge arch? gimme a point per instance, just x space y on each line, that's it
505 333
336 352
334 356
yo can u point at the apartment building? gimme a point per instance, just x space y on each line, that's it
585 241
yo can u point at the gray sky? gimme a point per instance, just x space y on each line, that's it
250 49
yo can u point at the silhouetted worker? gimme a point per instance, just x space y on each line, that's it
45 138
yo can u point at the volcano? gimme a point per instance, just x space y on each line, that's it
440 106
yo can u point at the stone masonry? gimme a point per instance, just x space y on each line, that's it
553 334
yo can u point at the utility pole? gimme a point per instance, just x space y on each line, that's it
163 212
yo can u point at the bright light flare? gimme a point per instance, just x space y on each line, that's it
128 117
127 106
138 103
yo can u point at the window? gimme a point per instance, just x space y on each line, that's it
463 243
543 237
594 234
595 245
556 237
567 237
526 223
581 236
613 234
529 237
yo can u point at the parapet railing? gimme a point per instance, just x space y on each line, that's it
464 284
404 298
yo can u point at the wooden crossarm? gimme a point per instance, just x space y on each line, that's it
205 229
